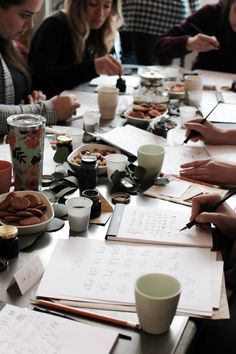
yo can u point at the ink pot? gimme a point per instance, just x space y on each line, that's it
93 195
9 242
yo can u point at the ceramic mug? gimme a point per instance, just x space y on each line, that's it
107 101
5 176
156 297
151 157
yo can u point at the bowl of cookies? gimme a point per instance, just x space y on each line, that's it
29 211
143 113
100 151
175 89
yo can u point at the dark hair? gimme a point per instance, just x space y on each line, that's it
10 53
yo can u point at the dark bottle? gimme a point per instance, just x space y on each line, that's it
93 195
64 141
87 173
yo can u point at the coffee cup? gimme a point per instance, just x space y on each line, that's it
156 297
192 83
79 209
115 162
107 101
187 113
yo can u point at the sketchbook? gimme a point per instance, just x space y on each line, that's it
26 331
158 226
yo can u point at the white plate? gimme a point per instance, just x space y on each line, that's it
174 94
48 213
92 148
140 121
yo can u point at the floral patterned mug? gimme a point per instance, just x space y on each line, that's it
26 138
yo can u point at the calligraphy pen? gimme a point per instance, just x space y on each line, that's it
193 133
214 208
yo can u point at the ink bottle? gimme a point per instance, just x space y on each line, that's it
93 195
9 242
64 141
87 173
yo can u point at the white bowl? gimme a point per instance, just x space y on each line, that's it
169 86
93 148
36 228
140 121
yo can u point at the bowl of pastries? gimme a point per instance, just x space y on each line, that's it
29 211
100 151
143 113
175 89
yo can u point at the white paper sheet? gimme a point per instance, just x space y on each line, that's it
224 152
106 271
223 113
26 331
129 138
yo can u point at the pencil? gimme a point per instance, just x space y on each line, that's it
193 222
198 182
96 316
194 133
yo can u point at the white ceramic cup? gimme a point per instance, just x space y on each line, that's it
151 157
79 209
194 97
156 296
107 101
76 135
187 113
91 120
115 162
192 83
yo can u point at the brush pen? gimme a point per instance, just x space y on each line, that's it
193 133
89 314
193 222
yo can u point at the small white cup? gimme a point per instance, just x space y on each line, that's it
91 121
194 98
186 113
157 296
115 162
79 209
77 136
192 83
151 157
107 101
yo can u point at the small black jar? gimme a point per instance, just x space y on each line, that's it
9 242
93 195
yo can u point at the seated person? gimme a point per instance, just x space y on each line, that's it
211 31
15 18
211 170
71 46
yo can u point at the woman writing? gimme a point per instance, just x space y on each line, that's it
16 17
72 46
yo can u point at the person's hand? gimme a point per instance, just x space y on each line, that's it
108 65
224 218
65 106
202 43
210 170
35 97
208 132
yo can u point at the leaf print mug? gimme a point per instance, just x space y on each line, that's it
26 138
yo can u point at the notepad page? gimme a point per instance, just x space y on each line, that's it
26 331
161 226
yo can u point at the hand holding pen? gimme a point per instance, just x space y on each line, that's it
205 210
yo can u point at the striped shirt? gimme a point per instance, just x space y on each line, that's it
7 97
156 16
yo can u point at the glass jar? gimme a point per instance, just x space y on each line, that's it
64 141
9 243
88 173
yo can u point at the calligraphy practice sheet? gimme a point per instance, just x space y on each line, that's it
26 331
156 225
103 271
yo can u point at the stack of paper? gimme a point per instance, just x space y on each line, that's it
102 274
26 331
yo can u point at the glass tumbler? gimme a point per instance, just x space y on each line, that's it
26 138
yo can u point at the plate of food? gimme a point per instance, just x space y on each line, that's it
175 89
98 150
29 211
144 113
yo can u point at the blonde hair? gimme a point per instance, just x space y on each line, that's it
76 12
